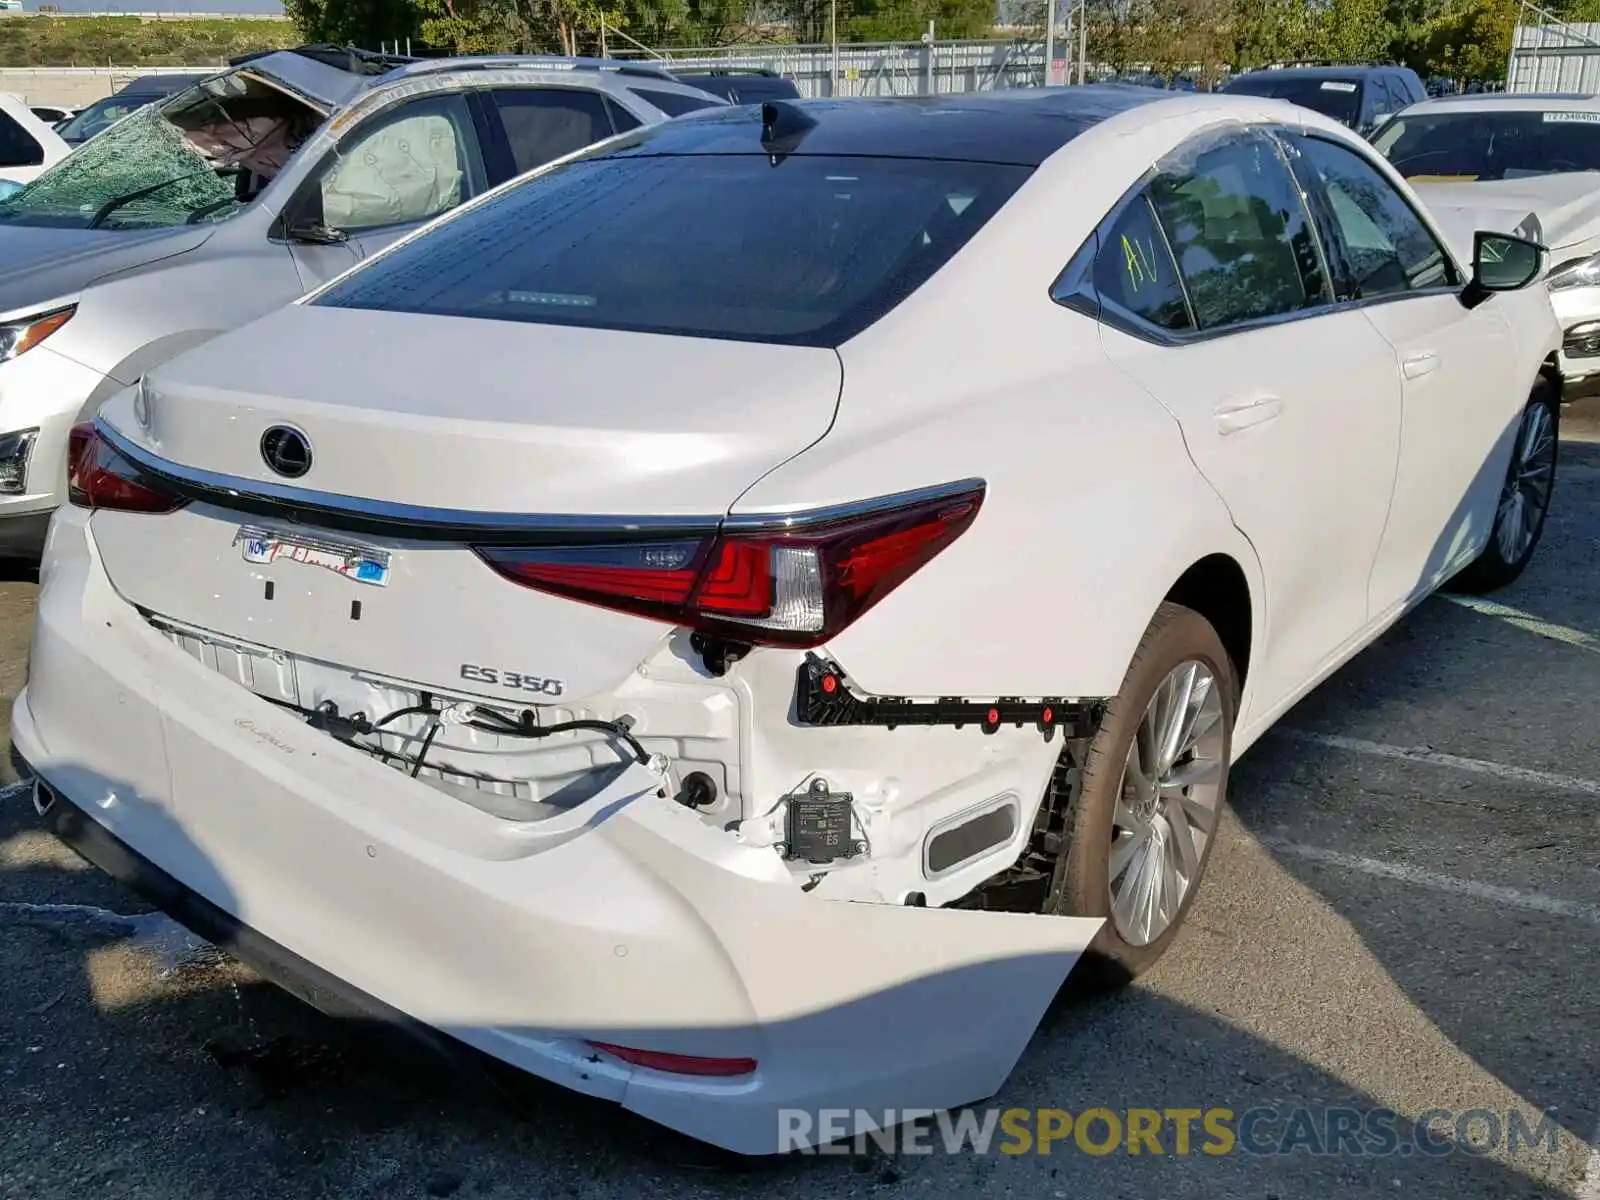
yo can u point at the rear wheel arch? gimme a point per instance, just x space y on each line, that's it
1217 588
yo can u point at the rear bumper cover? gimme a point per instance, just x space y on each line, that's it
302 979
632 923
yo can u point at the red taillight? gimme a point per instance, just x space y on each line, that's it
99 477
798 584
678 1064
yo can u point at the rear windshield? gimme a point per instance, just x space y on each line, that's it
1491 145
1336 98
807 252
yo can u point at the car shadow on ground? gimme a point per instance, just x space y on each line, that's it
1511 679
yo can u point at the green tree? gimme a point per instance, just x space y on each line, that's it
354 22
1470 40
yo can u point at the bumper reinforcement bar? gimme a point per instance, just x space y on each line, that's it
823 698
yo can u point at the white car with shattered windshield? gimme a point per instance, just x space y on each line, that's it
1527 163
192 215
728 623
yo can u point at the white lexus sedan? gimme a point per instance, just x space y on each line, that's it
726 623
1528 163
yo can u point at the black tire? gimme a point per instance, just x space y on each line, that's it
1082 886
1494 568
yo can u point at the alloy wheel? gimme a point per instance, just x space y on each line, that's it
1526 494
1166 812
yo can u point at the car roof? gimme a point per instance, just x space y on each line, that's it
1019 126
1327 71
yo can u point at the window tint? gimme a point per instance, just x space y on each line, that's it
725 245
1431 147
1239 231
1133 270
1336 98
415 162
17 147
1381 245
621 119
1385 93
101 115
542 124
674 104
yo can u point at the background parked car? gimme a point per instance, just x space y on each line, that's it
1524 163
27 144
103 114
1362 97
742 85
52 114
241 193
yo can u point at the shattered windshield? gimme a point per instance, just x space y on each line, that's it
202 156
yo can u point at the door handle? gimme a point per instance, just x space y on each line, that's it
1242 412
1415 366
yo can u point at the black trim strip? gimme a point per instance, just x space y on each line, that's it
386 518
354 514
824 699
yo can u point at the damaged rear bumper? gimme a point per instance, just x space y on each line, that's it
633 923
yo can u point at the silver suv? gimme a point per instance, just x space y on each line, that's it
235 196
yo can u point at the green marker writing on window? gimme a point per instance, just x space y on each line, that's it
1139 261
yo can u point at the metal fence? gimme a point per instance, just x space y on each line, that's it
1550 55
885 69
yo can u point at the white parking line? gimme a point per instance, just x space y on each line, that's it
1527 621
1507 897
1436 758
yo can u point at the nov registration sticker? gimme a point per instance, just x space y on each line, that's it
363 564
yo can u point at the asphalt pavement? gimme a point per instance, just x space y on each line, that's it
1404 916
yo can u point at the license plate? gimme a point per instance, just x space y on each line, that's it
363 564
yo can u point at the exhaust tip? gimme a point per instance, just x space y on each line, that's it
44 797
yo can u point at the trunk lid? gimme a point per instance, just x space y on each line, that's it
493 416
412 418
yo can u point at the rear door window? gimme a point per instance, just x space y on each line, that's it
542 124
621 119
1134 272
1244 244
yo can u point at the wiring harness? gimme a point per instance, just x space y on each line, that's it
348 727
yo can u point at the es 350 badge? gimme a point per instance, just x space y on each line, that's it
363 564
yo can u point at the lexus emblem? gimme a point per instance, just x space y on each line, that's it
286 451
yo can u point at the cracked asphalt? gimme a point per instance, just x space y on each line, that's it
1404 914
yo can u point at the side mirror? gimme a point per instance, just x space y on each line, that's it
316 235
1501 262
